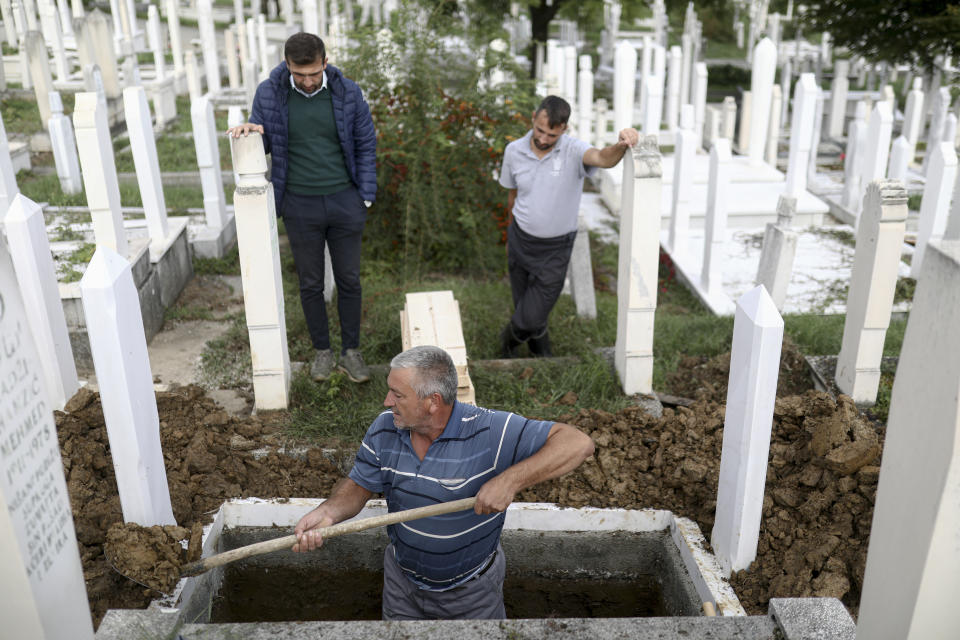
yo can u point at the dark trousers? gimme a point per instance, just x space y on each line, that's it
538 267
338 221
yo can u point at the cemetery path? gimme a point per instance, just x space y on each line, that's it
817 510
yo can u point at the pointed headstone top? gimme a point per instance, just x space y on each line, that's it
883 110
766 50
759 307
21 208
104 270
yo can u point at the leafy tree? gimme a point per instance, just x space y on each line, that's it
895 31
588 14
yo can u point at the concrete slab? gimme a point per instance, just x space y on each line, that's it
123 624
740 170
798 617
821 269
750 203
789 620
160 273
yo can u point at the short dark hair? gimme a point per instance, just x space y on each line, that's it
558 110
304 48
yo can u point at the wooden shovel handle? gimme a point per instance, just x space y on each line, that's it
350 526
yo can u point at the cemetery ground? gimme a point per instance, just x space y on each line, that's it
824 457
824 454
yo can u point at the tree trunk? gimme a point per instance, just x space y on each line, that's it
540 17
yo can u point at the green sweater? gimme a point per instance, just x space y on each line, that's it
316 159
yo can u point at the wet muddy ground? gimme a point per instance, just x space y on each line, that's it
822 478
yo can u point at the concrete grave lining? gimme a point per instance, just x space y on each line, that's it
789 619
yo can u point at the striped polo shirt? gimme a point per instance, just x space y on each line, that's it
442 552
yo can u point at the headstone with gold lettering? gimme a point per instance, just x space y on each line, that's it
42 593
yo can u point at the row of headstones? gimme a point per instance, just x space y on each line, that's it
96 159
913 543
687 85
42 573
871 156
32 250
912 533
248 54
686 81
917 108
120 347
775 266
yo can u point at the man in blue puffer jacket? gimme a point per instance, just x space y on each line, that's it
317 127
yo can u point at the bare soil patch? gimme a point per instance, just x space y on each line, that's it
816 518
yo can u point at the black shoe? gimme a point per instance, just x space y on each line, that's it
509 343
540 345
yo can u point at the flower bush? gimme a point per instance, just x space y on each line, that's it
441 133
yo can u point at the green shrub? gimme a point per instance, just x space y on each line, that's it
440 142
729 77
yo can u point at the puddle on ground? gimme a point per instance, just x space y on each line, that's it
300 594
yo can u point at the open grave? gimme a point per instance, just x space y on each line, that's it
789 512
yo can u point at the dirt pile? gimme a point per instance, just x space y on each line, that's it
816 517
706 378
152 556
209 458
821 483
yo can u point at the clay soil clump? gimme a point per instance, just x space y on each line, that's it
209 458
817 511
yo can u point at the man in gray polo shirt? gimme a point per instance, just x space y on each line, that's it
544 171
427 449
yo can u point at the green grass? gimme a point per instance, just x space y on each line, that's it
723 50
914 200
227 265
905 290
175 154
177 313
225 361
338 408
46 188
81 255
841 235
20 116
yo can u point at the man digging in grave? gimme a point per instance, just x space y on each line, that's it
544 171
428 449
317 127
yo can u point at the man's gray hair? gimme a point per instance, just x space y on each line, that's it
436 372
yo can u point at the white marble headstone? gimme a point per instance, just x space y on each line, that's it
40 572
